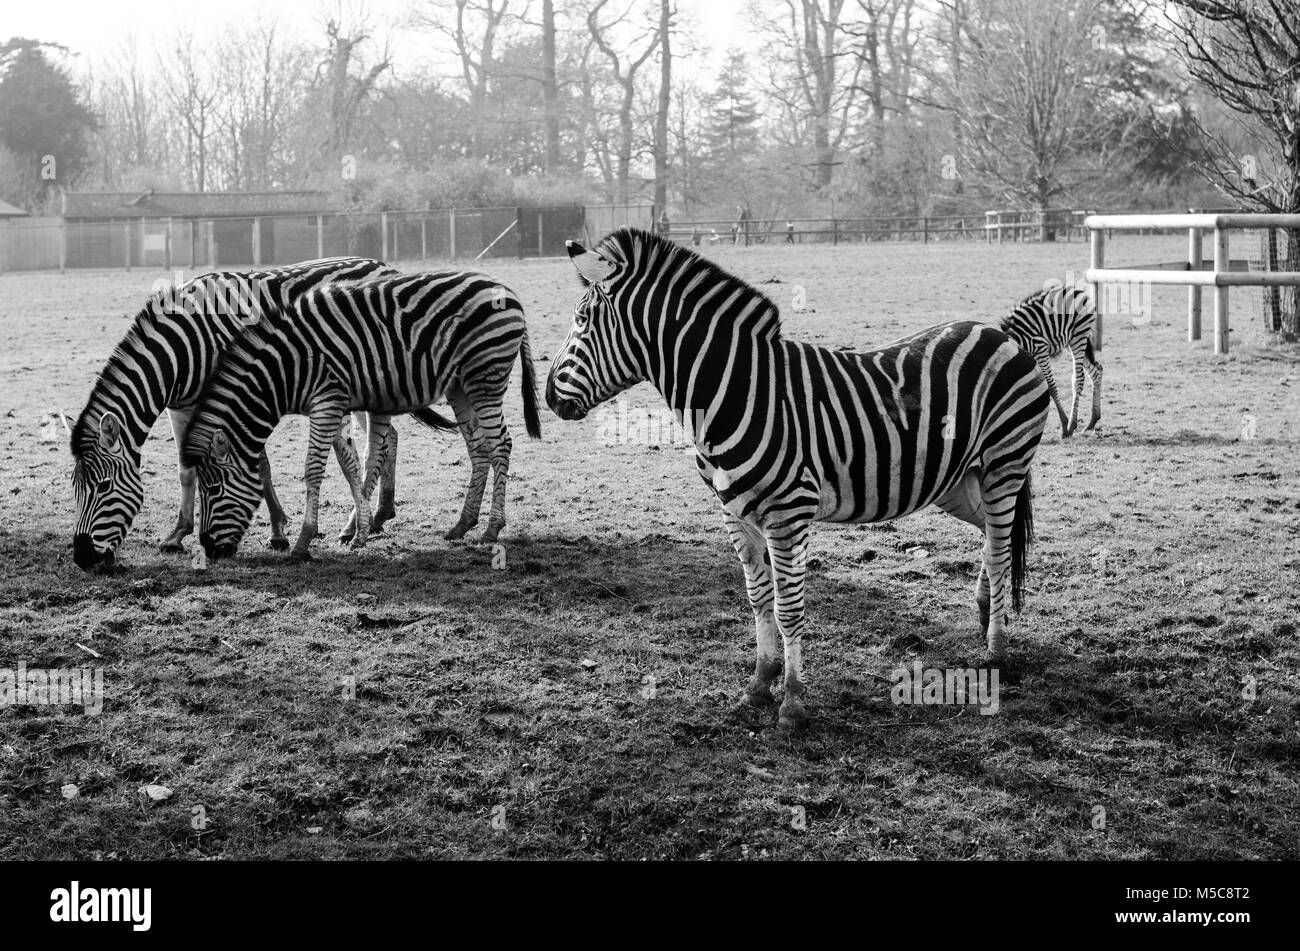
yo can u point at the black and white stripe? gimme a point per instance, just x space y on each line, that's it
387 345
1049 321
788 433
163 362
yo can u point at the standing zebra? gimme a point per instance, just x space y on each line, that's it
789 433
386 345
1051 320
162 363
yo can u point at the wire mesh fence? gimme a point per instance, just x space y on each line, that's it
268 240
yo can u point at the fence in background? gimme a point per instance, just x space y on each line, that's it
923 228
1195 274
267 240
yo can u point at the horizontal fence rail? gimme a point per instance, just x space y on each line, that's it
1220 275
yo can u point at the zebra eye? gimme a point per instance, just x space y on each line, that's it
104 486
580 319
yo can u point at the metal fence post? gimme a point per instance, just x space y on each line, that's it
320 236
126 241
257 242
383 238
451 225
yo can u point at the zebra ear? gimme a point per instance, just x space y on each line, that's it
219 448
110 431
592 268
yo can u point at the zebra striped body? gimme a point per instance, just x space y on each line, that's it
163 362
386 345
1049 321
787 433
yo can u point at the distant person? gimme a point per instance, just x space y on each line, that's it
663 223
695 235
789 231
742 223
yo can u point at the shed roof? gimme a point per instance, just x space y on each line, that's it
9 211
151 204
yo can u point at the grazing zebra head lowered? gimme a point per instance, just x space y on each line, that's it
788 433
387 346
162 362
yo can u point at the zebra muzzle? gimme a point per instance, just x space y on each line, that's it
86 556
215 551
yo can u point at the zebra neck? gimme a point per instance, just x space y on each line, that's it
135 387
717 380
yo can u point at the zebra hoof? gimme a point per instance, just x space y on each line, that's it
170 547
359 542
300 556
278 543
793 717
759 698
382 517
490 535
457 531
1092 425
346 536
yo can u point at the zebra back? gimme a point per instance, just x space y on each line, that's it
1050 320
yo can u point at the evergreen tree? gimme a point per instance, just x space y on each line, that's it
42 114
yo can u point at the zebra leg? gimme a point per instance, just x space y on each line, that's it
325 429
1076 364
350 466
1045 368
342 445
999 491
966 502
171 545
787 545
387 484
492 427
1094 373
751 549
274 510
479 458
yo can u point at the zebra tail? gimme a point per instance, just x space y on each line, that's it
436 420
1022 535
531 419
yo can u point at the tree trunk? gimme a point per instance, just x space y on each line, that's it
661 116
550 88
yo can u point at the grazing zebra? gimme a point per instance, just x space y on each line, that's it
1051 320
386 345
788 433
162 363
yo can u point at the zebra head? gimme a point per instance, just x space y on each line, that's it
231 487
107 488
600 357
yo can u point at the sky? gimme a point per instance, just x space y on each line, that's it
94 28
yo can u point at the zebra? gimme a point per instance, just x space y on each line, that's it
789 433
1048 321
162 362
385 345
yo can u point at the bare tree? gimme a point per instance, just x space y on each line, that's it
193 96
1247 54
666 12
806 43
474 28
550 88
346 91
1031 114
623 62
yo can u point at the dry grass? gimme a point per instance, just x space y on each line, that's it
1124 690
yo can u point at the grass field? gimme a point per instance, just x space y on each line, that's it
409 700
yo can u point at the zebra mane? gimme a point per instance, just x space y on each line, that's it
640 251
